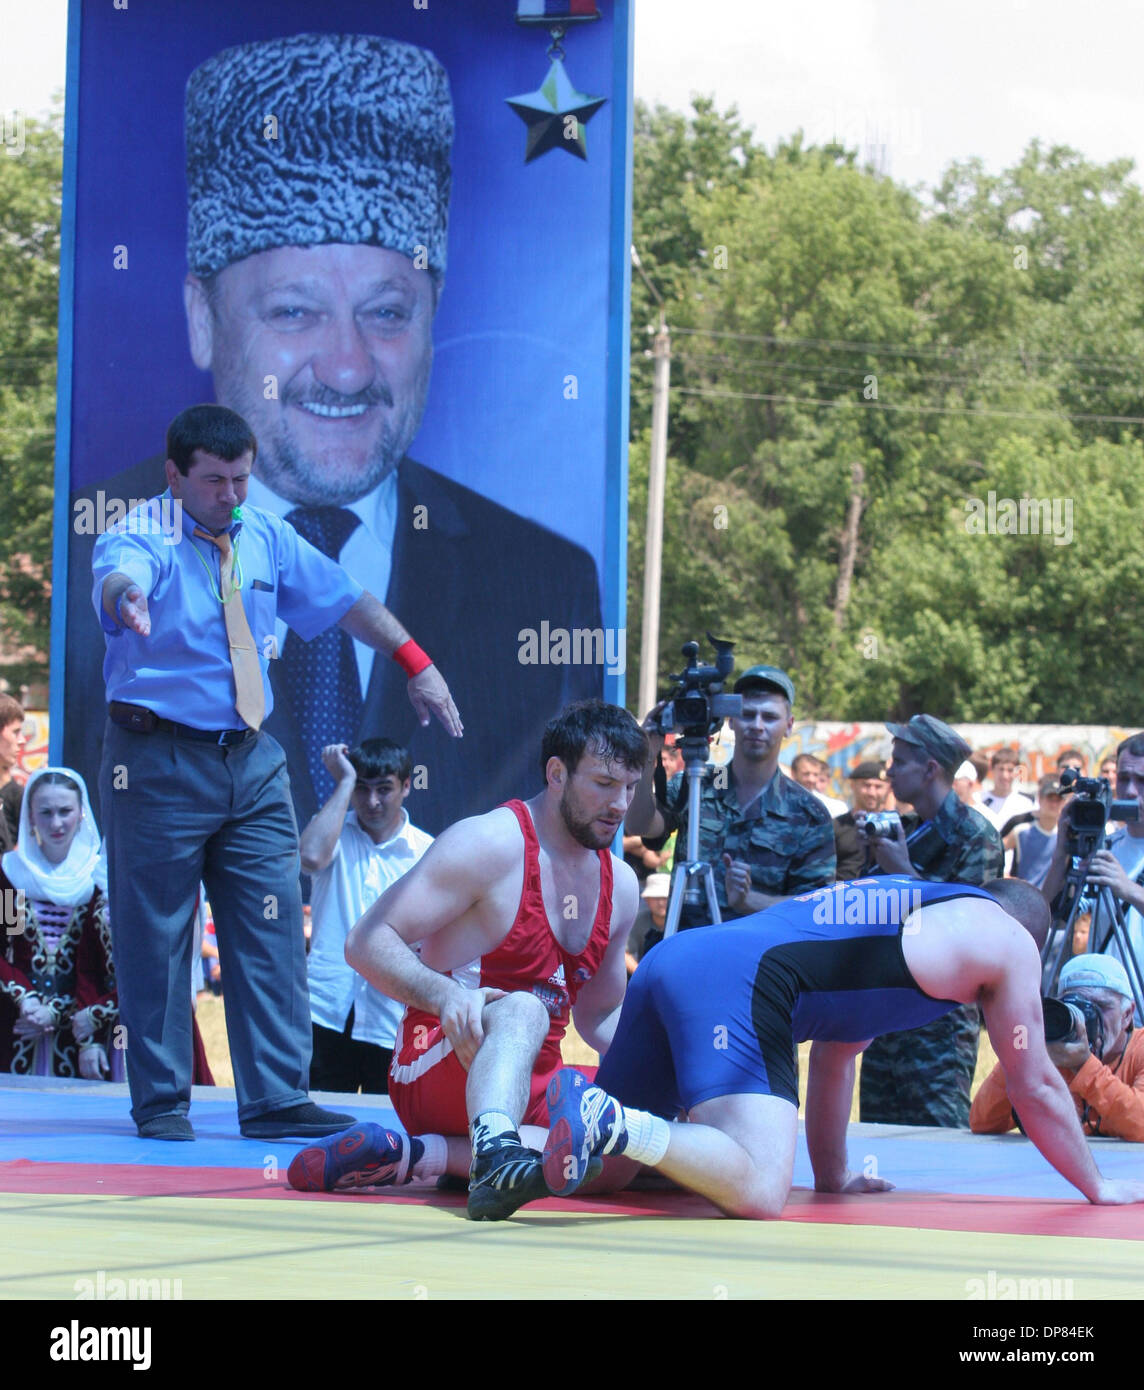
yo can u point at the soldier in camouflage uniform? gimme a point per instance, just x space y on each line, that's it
923 1076
777 837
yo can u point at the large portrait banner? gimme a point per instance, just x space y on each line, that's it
394 237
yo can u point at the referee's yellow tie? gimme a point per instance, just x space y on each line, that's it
249 695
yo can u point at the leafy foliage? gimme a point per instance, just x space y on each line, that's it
845 350
29 292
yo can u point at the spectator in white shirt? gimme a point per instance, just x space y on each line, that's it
359 843
813 774
1003 802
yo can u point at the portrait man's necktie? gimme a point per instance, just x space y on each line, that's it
320 678
249 695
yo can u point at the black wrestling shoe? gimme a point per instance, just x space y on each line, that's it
504 1176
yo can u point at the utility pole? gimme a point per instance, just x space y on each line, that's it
657 474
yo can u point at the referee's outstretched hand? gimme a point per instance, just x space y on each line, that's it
429 695
132 610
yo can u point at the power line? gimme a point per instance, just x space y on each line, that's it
760 364
911 409
904 349
761 367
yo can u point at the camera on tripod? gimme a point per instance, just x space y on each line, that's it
696 705
1092 807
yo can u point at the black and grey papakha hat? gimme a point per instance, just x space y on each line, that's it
313 139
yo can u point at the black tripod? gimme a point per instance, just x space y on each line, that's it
1107 926
693 878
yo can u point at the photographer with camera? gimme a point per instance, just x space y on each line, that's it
869 789
1095 1048
1118 868
767 837
923 1076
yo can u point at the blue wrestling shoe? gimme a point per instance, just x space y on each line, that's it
364 1156
584 1124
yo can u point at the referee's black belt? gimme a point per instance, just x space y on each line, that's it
141 720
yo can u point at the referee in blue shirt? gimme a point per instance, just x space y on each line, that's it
191 589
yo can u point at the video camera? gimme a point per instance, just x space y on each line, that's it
1092 807
696 705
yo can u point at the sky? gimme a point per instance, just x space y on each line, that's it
912 86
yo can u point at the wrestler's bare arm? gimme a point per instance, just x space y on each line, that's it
449 901
829 1096
1011 1000
597 1008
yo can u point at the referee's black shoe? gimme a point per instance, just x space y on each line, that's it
303 1121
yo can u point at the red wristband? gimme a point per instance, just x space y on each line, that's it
411 658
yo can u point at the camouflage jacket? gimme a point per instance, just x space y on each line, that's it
786 835
957 846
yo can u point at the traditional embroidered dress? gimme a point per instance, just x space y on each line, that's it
56 949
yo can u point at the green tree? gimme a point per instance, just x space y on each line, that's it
855 369
30 198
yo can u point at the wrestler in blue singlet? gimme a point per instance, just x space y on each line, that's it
718 1011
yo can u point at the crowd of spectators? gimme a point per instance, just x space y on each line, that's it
770 833
963 816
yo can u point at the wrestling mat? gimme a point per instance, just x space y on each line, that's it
84 1203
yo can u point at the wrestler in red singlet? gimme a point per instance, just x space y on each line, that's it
480 1040
426 1082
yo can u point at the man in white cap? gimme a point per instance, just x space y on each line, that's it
655 893
1104 1070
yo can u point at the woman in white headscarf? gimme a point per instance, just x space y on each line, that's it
57 944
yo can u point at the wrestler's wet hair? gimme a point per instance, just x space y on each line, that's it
1023 902
591 726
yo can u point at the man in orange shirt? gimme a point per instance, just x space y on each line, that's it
1108 1086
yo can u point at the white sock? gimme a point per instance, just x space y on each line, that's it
648 1136
432 1162
489 1126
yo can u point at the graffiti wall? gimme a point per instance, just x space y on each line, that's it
841 745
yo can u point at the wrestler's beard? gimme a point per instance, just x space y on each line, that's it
579 828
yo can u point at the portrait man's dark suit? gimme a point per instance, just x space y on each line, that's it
468 575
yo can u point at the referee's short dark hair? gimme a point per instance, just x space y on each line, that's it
215 430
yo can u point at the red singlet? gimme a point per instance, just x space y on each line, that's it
426 1081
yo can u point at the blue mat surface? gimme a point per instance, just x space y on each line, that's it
89 1123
